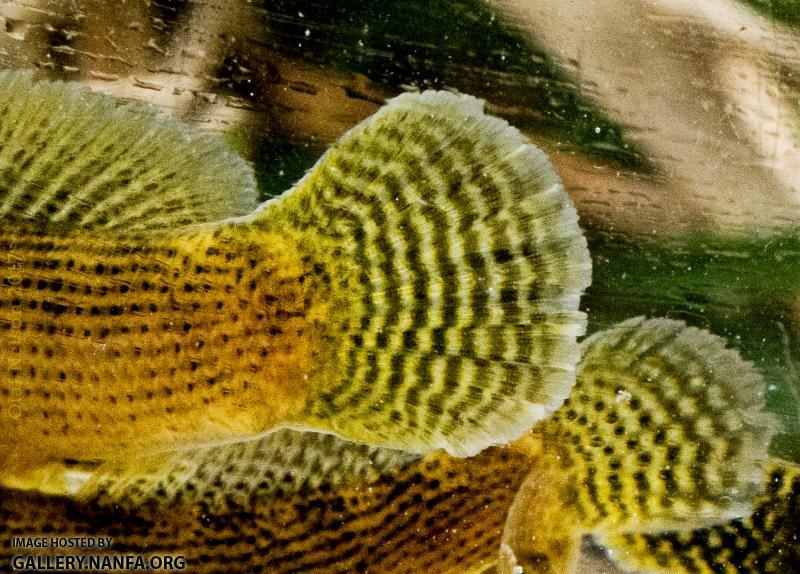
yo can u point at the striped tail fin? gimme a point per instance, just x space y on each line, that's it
462 264
664 430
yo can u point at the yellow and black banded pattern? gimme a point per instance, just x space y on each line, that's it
438 515
766 542
70 158
665 428
396 513
283 462
418 289
465 265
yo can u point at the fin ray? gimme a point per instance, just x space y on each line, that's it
75 158
457 246
665 429
286 461
763 543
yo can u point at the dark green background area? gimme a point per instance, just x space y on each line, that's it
441 44
786 11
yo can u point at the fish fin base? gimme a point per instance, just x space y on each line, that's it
462 260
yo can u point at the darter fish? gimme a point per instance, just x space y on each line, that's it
418 289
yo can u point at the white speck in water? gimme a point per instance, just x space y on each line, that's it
307 33
516 570
623 396
597 130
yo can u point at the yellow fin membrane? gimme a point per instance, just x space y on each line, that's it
463 264
664 430
285 462
766 542
541 535
72 158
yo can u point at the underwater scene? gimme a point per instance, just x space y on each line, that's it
437 287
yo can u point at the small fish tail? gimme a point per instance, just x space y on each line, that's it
665 427
664 430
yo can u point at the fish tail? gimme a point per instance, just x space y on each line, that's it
664 430
458 263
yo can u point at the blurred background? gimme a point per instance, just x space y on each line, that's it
674 124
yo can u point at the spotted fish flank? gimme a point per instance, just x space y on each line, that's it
418 289
118 348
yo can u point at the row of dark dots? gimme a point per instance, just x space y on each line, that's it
379 549
47 393
632 442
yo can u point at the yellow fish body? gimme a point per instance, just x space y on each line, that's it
304 502
417 289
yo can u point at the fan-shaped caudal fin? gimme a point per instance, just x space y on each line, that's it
664 429
461 258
